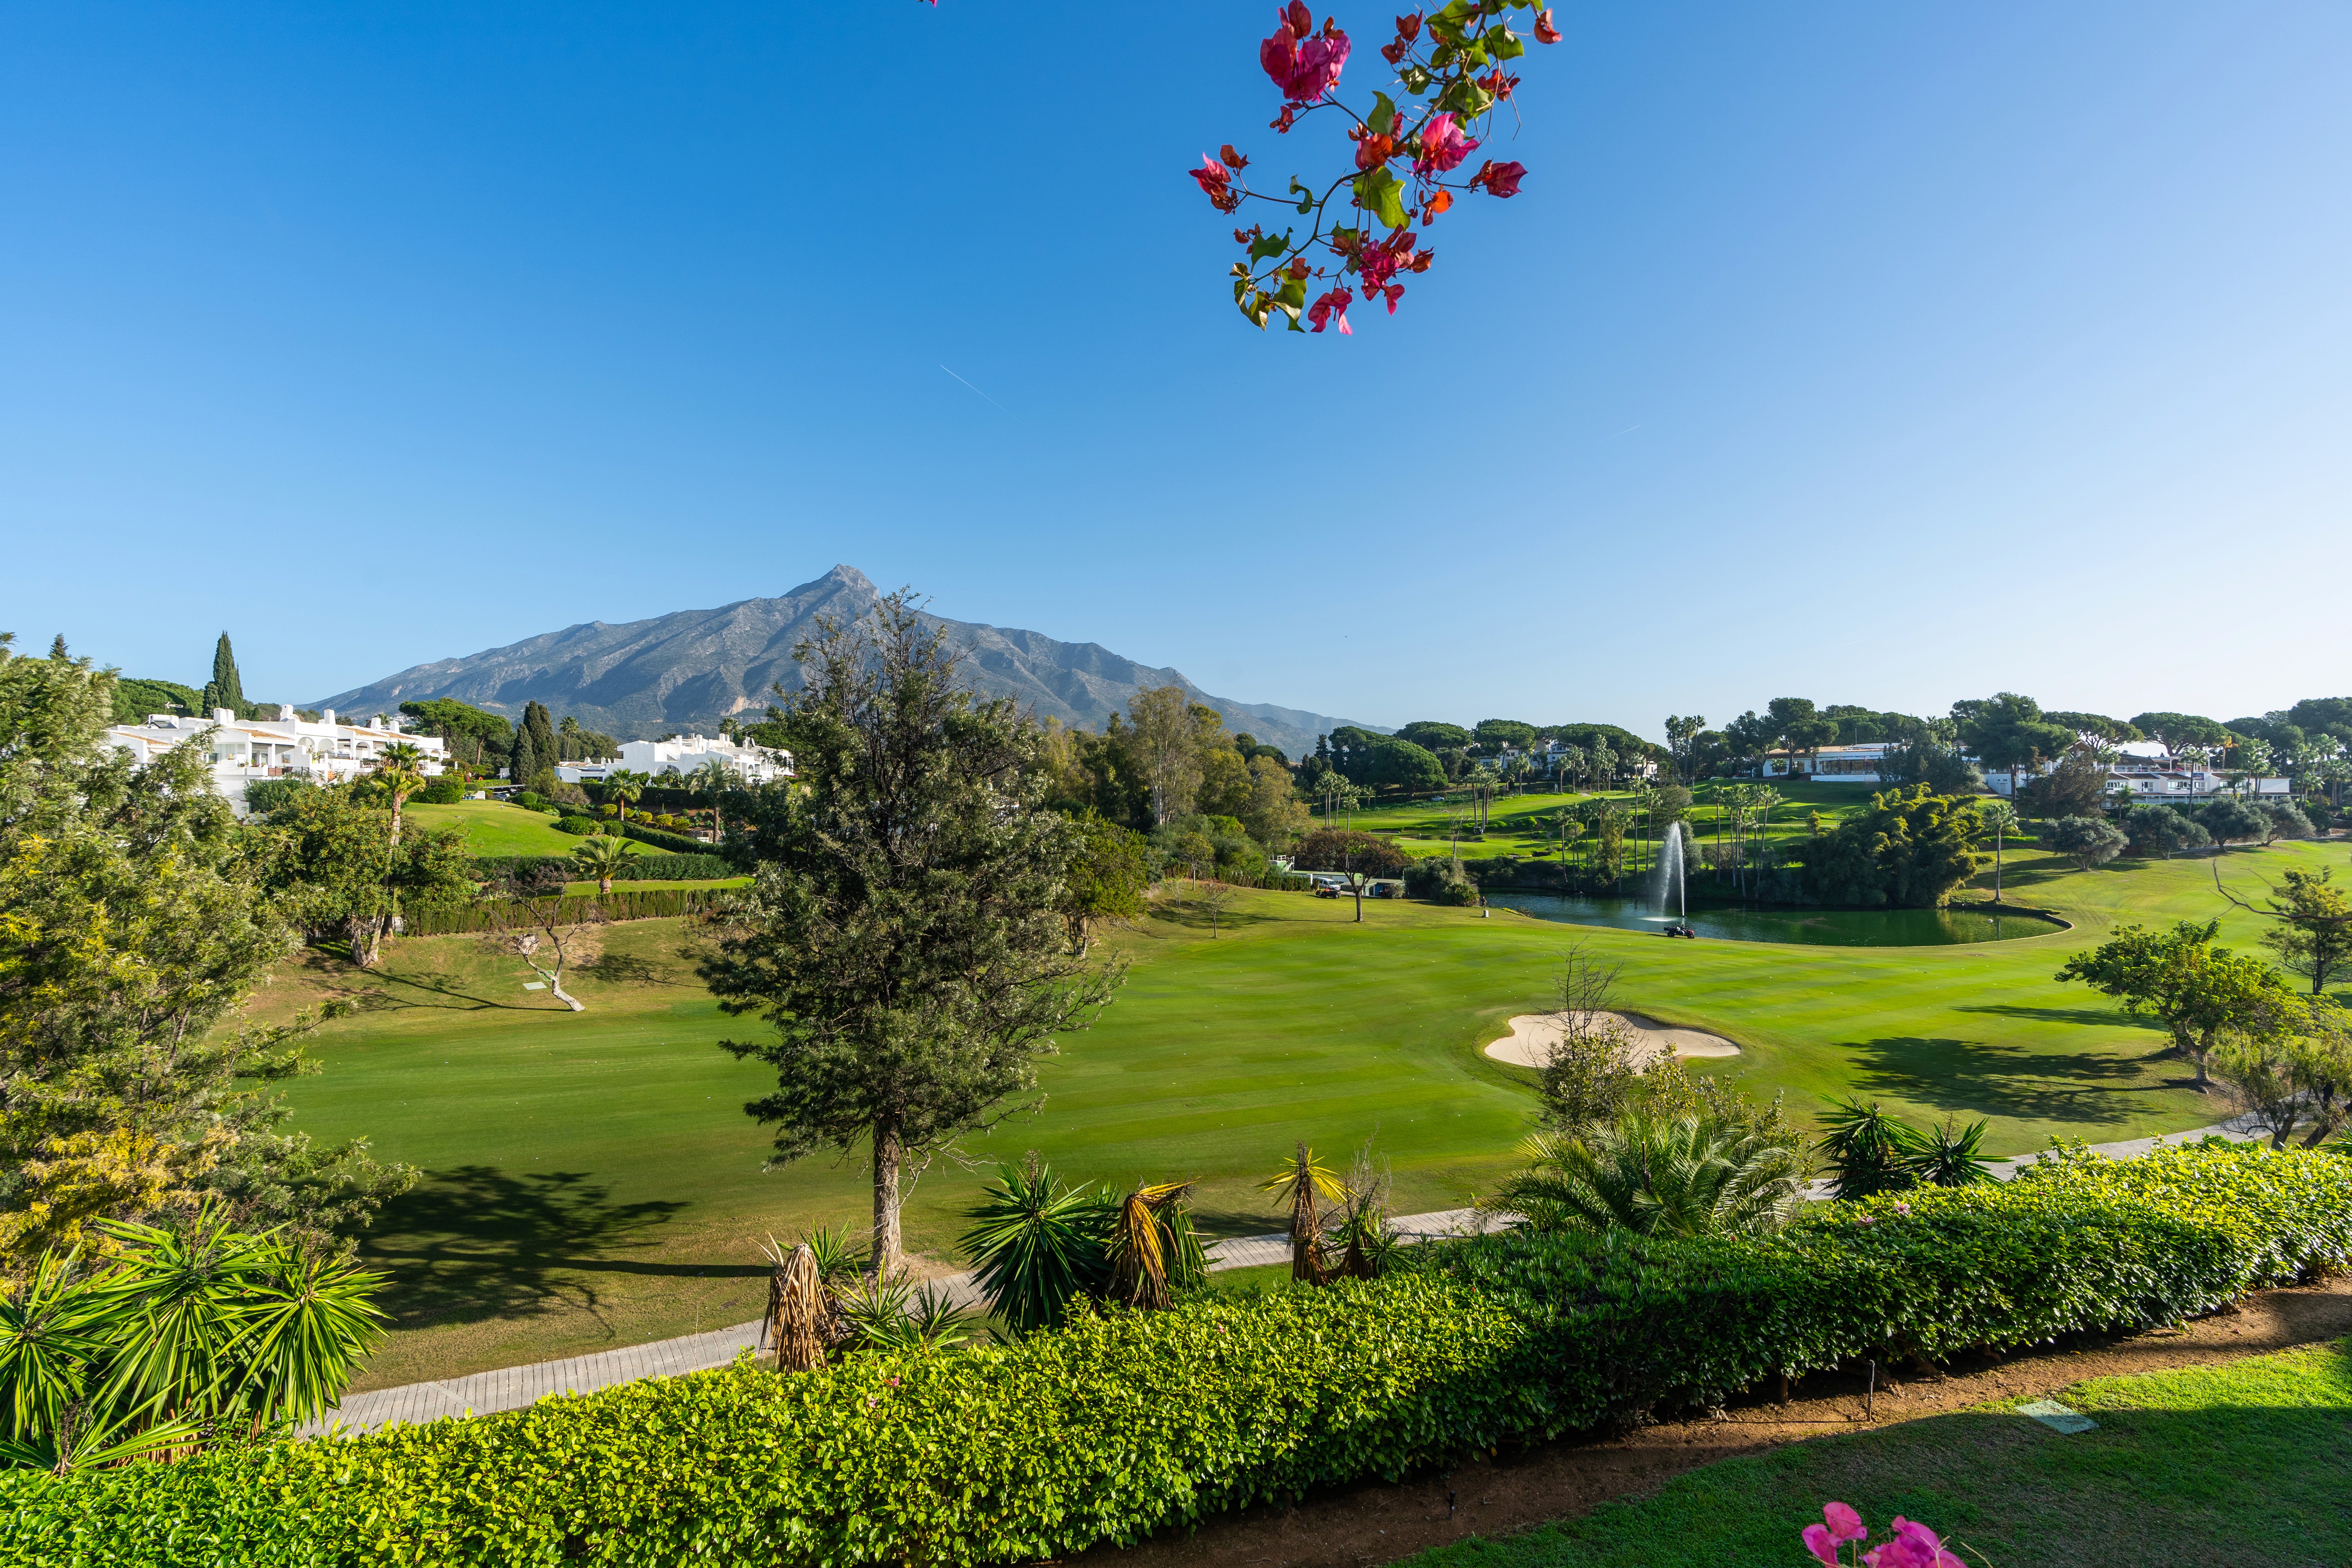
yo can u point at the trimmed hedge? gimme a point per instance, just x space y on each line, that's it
676 842
637 868
1122 1424
617 905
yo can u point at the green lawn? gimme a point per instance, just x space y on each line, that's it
592 1180
2243 1463
1517 825
497 827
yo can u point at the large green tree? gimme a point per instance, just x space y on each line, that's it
2178 977
1908 850
2009 733
2314 937
905 934
135 925
337 863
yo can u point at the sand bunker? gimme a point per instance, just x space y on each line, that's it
1533 1035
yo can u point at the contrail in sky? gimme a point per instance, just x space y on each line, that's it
976 389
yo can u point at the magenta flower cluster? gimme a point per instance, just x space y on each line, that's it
1909 1545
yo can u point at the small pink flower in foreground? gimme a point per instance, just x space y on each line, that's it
1545 32
1442 146
1841 1524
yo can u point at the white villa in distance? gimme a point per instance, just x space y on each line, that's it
243 750
681 756
2145 769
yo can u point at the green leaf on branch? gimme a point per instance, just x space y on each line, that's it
1383 116
1416 80
1466 99
1502 44
1381 195
1269 245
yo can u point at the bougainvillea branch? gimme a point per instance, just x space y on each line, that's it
1410 144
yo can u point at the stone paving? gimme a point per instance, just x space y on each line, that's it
514 1387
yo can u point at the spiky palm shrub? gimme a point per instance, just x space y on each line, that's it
1869 1150
1302 1185
1037 1245
1949 1158
1691 1176
191 1334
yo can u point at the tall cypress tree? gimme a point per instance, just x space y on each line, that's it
541 727
521 762
225 689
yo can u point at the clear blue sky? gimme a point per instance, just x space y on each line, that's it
1874 354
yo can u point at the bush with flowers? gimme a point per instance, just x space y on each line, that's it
1908 1543
1450 79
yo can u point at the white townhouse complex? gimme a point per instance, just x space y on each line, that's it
243 750
683 756
2145 769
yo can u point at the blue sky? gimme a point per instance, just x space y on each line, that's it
1884 354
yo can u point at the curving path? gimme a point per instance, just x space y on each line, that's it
516 1387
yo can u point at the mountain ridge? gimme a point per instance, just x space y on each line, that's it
688 668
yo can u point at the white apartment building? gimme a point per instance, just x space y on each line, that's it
2145 769
681 756
323 750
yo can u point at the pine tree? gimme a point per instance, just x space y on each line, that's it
225 689
521 760
57 648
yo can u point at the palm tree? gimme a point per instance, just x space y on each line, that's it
2001 818
624 789
602 856
400 773
1690 1176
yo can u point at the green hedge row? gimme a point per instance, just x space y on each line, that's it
620 904
677 843
639 868
1122 1424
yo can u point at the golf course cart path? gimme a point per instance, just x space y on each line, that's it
1533 1035
516 1387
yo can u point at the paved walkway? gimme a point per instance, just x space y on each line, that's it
515 1387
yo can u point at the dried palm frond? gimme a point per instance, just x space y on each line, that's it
1144 1254
1300 1183
800 1319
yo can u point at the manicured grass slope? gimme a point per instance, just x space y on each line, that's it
593 1181
2241 1463
496 827
1519 825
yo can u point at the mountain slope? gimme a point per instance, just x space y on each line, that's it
689 669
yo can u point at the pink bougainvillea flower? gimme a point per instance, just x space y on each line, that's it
1818 1542
1442 146
1334 303
1844 1523
1545 32
1925 1544
1903 1551
1218 182
1499 179
1439 201
1303 68
1232 159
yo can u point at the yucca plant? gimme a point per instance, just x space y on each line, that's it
1946 1157
891 1314
1300 1185
799 1320
1869 1150
1363 1236
1037 1245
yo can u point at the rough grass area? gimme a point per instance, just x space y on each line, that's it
592 1180
2235 1464
499 827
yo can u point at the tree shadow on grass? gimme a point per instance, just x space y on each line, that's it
2113 1016
1975 1078
1225 1225
475 1242
627 968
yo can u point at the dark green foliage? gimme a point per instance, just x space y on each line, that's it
225 689
675 843
446 789
1926 760
2177 729
579 824
2087 841
2097 724
1432 735
2161 830
1441 882
1908 850
2077 786
135 699
1870 1151
1122 1423
265 796
475 738
2232 820
2286 819
1494 734
1383 761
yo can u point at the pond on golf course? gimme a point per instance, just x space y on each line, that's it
1811 928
